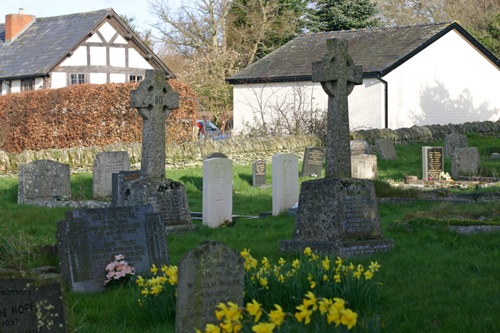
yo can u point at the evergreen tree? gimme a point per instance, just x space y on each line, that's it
332 15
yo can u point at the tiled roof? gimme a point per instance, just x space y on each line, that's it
37 50
378 50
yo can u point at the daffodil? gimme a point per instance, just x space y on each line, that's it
254 310
211 328
307 251
374 266
296 263
154 269
263 282
310 300
326 264
333 316
277 316
303 315
338 262
140 281
281 262
339 304
324 305
368 275
348 318
263 328
337 278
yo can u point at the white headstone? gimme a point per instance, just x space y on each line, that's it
217 191
285 182
364 166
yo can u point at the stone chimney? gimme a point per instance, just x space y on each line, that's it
15 24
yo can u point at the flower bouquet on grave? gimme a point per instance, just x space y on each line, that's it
118 272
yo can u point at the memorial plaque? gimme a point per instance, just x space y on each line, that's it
208 275
259 173
32 303
42 181
105 164
312 166
88 240
217 191
359 147
432 162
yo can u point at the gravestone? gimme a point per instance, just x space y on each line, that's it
432 162
364 166
105 164
43 181
259 173
285 182
465 162
337 214
217 191
88 240
32 303
312 166
215 155
453 141
154 99
386 149
208 275
359 147
119 181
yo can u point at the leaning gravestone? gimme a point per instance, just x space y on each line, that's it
312 165
465 162
432 162
88 240
217 191
359 147
43 181
364 166
32 303
386 149
105 164
338 213
285 182
259 173
154 99
453 141
208 275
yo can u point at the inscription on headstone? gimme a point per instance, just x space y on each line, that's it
312 166
432 162
285 182
259 173
43 180
32 303
89 239
105 164
359 147
208 275
217 191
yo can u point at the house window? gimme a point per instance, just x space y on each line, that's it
77 79
27 84
135 78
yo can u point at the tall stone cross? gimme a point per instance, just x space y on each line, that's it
338 74
154 99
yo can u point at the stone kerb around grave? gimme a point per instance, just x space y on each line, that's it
208 275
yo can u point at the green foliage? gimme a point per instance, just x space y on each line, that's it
332 15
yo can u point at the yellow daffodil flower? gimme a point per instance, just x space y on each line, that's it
303 314
307 251
368 275
296 263
263 282
338 262
337 278
154 269
281 262
211 328
374 266
348 318
254 310
310 300
326 264
263 328
324 305
277 316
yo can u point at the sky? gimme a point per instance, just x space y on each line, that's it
46 8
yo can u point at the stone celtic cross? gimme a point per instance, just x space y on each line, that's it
154 99
338 75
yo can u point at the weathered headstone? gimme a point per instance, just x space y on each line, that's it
32 303
154 99
259 173
105 164
118 183
432 162
208 275
312 165
217 191
359 147
42 181
386 149
88 239
215 155
453 141
285 182
338 213
364 166
465 162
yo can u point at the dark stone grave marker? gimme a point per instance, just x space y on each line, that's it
432 163
359 147
453 141
386 149
312 165
259 173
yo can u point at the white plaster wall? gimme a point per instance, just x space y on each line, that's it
15 86
135 60
58 80
5 89
448 82
98 56
79 58
117 78
117 57
38 83
98 78
107 31
366 103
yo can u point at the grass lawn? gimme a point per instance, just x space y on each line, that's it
435 280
